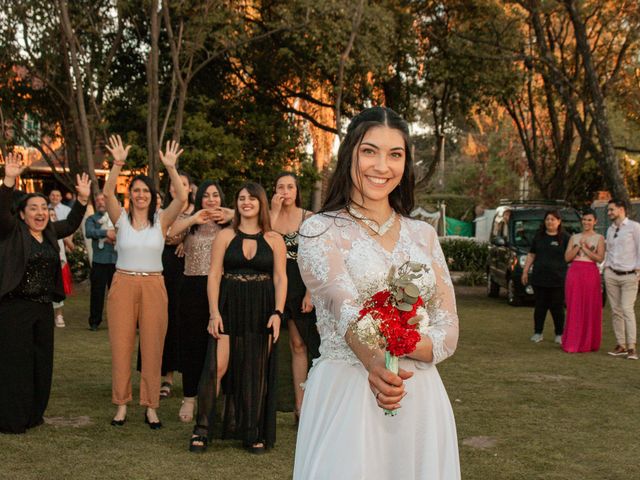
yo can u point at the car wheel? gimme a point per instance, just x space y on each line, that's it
512 297
493 289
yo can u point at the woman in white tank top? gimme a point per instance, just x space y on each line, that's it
137 295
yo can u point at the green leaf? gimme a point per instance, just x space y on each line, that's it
411 290
404 307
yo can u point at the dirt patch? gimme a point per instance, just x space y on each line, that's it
76 422
481 442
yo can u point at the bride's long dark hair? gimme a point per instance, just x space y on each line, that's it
340 185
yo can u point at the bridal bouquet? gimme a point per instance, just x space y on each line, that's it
389 318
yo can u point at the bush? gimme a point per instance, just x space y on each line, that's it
465 255
79 259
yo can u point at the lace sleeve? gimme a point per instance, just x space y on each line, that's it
443 326
323 271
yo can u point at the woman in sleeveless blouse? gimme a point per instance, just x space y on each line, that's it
172 273
138 296
247 289
583 292
196 232
346 252
304 341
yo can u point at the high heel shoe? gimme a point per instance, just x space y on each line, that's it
115 422
118 423
152 425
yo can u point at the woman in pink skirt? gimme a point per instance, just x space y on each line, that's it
583 329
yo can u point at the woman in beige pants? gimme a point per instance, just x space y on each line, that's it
137 296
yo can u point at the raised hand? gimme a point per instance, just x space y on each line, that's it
276 202
13 167
83 187
221 215
171 154
203 216
117 150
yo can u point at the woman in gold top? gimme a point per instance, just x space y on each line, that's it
197 232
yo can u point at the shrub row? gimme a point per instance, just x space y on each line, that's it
465 254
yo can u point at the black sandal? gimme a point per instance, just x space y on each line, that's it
165 389
200 439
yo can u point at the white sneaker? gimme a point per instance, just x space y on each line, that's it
558 339
536 338
59 320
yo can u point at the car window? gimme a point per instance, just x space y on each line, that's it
524 231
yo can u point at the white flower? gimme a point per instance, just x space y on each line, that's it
367 331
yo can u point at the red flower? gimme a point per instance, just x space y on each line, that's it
400 337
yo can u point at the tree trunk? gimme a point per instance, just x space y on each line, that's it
344 56
84 133
153 97
608 157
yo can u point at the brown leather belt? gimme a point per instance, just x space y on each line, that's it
139 274
618 272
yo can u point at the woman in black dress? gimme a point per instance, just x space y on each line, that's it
30 280
173 268
286 218
247 290
549 271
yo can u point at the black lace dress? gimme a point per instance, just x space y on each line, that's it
247 300
296 290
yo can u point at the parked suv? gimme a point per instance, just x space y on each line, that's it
512 231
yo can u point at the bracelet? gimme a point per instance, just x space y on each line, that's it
279 313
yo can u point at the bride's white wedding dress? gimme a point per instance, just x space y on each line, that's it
343 434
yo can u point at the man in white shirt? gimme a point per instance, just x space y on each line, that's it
62 211
55 202
622 270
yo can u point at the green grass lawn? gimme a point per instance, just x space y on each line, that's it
523 411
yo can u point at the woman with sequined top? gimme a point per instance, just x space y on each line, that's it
197 233
30 280
286 218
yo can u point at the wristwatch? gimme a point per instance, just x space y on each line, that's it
279 313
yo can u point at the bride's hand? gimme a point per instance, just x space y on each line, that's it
387 387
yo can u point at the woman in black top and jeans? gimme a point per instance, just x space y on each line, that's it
30 280
549 271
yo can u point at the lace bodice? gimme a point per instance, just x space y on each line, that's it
342 265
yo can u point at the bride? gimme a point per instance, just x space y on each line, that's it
345 254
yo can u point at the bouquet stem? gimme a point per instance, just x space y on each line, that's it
391 363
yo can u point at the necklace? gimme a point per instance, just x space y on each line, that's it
373 225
